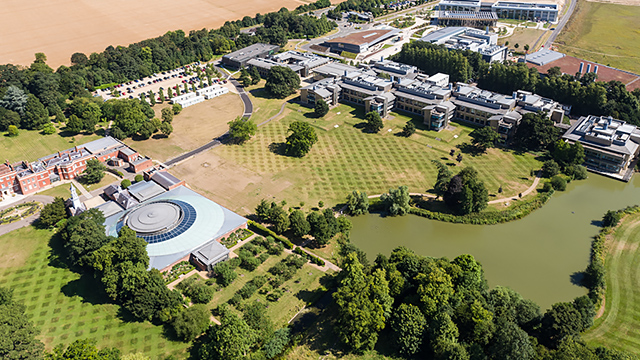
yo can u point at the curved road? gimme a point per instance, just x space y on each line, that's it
561 24
248 110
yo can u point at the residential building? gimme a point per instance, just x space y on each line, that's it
239 58
610 145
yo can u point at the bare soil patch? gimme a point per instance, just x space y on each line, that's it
193 127
60 28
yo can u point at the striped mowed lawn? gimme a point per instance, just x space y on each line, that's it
345 158
64 305
619 327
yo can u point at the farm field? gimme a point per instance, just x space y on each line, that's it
64 305
344 159
31 145
61 28
195 126
618 327
603 33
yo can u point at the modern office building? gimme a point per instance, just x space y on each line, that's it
466 38
394 68
459 5
476 19
327 89
526 11
610 145
360 41
239 58
425 98
301 63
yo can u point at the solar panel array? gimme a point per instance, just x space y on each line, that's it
188 218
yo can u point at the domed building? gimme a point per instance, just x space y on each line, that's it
178 225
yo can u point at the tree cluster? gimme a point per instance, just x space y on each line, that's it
439 309
463 193
18 333
242 129
53 213
300 139
396 201
282 82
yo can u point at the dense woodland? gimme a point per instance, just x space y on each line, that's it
583 94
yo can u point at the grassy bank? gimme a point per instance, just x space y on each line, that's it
619 324
604 33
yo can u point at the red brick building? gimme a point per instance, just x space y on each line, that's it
26 178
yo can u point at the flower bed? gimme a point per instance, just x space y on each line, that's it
178 269
235 237
15 213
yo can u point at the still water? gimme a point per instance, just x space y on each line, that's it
535 256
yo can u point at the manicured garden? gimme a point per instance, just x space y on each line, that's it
65 306
17 212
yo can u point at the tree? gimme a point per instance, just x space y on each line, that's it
301 139
408 326
465 193
15 99
147 129
74 124
83 349
362 303
550 168
511 342
166 128
94 171
125 183
444 177
224 274
322 108
8 118
35 114
52 213
280 222
177 108
276 345
263 210
559 322
554 71
516 45
83 234
374 122
48 129
255 315
611 218
242 129
230 340
408 129
535 132
12 131
167 114
18 333
79 59
396 202
282 82
299 224
484 137
319 228
191 322
138 178
255 75
357 203
558 183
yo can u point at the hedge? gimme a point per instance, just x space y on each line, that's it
256 227
314 259
516 212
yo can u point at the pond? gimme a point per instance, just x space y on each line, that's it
538 256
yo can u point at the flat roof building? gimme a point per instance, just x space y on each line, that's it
395 68
610 145
459 5
466 38
360 41
239 58
543 57
533 11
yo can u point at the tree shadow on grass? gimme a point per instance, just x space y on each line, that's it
309 296
278 148
56 253
86 288
470 149
261 93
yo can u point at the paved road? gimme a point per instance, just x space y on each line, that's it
248 110
561 24
7 228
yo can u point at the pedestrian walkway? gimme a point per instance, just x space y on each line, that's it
84 191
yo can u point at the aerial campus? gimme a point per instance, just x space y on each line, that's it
371 179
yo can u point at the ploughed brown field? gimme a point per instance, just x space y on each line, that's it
60 28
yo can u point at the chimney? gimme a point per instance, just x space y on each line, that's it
345 73
487 30
588 68
595 69
381 58
581 67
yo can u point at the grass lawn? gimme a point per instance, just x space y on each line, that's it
299 291
264 106
106 180
618 327
195 126
31 145
604 33
61 190
522 37
344 159
65 306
